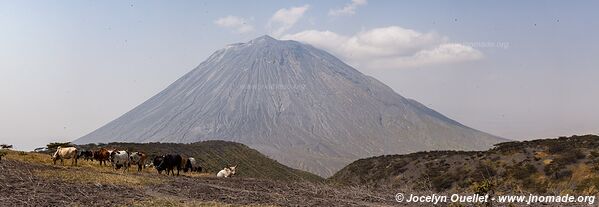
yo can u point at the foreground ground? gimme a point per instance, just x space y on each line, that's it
30 179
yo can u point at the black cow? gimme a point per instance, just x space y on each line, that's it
168 162
86 155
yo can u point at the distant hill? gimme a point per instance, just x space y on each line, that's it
563 165
215 155
293 102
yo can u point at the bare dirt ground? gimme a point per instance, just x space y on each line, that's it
20 187
26 182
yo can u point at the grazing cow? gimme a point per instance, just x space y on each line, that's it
192 165
168 162
120 159
139 159
102 155
65 153
157 161
86 155
227 172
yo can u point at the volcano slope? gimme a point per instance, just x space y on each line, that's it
295 103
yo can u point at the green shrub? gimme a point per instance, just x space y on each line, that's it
522 172
483 187
557 148
442 183
563 174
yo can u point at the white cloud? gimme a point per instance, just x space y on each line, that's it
348 9
389 47
238 24
285 18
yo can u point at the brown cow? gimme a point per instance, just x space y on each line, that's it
102 155
139 159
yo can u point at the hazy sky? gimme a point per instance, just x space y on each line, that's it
516 69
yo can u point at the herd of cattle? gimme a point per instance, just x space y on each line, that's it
124 159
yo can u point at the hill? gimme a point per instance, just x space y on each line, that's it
214 155
548 166
293 102
30 179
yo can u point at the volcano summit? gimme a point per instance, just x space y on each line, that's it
295 103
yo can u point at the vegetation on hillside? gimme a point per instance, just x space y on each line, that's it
549 166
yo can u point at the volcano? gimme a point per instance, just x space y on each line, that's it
293 102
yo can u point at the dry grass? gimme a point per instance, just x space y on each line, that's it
541 155
200 175
30 157
93 172
103 178
581 172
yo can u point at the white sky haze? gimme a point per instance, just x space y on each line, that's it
516 69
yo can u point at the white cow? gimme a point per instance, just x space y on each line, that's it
227 172
65 153
120 159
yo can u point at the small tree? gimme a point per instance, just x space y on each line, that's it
5 146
